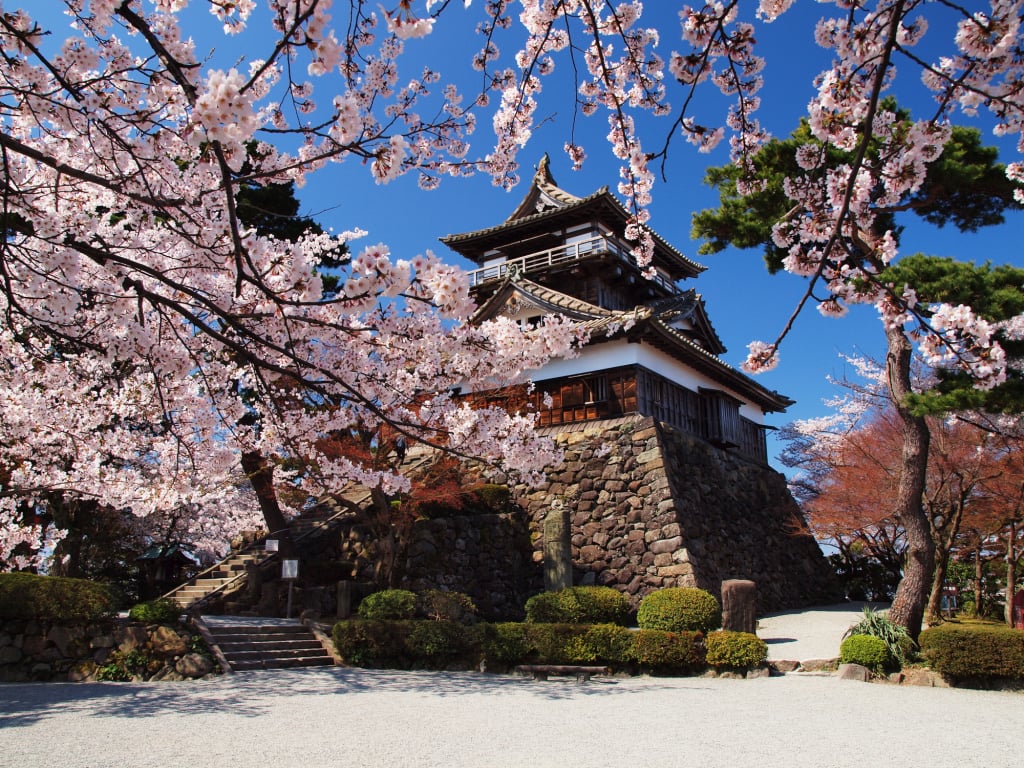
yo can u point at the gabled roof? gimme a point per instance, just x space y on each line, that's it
653 323
547 207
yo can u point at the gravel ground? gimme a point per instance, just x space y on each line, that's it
369 718
814 633
350 717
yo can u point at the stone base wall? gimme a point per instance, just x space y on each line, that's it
486 556
653 507
650 507
50 651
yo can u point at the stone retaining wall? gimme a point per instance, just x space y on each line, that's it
654 507
650 507
45 651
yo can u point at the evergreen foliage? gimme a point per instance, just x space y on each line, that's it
680 609
53 598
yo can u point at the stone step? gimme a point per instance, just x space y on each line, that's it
256 645
297 653
243 666
223 632
246 646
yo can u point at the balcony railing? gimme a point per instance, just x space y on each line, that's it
563 254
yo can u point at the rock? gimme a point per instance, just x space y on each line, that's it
924 677
82 672
167 642
9 654
41 672
167 675
131 637
757 672
853 672
193 665
64 637
817 665
782 666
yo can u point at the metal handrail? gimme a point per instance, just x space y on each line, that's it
563 254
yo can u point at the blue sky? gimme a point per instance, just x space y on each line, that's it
744 302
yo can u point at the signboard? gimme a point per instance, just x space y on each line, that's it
289 569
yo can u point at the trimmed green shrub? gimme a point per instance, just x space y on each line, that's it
966 651
680 609
388 605
437 640
446 606
735 650
867 650
606 643
553 643
900 644
53 598
664 651
371 643
506 643
161 611
579 605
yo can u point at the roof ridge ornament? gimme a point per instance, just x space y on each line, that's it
543 173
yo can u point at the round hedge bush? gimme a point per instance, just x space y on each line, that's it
579 605
388 605
735 650
866 650
680 609
160 611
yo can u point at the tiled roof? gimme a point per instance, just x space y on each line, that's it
543 186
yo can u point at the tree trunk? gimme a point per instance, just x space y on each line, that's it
979 577
943 538
1011 572
933 615
261 475
908 607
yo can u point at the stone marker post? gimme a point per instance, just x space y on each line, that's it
739 605
557 548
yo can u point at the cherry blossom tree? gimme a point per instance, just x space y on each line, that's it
145 324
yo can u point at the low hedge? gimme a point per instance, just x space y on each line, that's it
680 609
422 644
867 650
53 598
974 651
735 650
388 605
160 611
579 605
669 652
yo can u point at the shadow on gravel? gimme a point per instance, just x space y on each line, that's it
250 694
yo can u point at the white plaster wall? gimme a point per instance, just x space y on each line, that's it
620 352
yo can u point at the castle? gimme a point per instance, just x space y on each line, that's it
666 480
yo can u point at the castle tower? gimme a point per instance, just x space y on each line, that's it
666 468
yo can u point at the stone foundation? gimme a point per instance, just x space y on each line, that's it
649 507
654 507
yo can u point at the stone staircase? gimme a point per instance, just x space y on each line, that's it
261 643
231 572
226 572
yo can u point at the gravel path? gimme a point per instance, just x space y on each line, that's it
812 633
372 719
350 717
